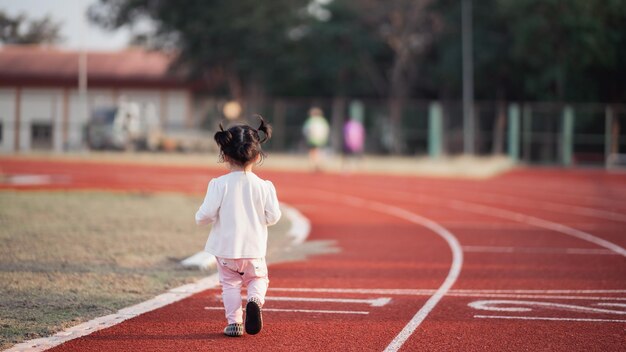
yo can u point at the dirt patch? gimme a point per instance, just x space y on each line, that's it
474 167
67 257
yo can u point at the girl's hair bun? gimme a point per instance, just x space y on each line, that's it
265 128
241 144
222 137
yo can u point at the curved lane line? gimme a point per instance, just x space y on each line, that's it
558 207
527 306
589 320
515 216
453 274
538 222
453 243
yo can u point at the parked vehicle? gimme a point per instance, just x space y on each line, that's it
127 126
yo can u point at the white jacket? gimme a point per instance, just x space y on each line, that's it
241 206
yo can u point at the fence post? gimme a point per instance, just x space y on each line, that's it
280 128
567 135
513 124
434 130
608 134
527 131
336 124
357 111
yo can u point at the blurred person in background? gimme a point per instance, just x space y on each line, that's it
316 131
353 142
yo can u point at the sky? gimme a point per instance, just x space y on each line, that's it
72 14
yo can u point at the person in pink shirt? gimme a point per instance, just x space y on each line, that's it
241 206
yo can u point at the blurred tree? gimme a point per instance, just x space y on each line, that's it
21 30
408 28
555 42
523 49
237 42
333 53
535 50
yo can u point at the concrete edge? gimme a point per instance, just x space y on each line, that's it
300 228
456 166
300 225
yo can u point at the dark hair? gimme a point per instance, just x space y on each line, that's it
242 143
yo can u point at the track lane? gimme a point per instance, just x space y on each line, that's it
534 273
451 325
366 264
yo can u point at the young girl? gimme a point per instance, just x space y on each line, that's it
241 206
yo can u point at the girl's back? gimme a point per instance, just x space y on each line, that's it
242 205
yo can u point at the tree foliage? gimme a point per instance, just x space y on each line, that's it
537 49
523 49
237 41
22 30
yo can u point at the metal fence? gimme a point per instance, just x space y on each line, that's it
535 133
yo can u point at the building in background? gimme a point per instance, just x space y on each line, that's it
39 101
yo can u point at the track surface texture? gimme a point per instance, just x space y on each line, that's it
532 260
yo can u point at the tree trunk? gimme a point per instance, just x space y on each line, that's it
235 86
397 100
336 126
498 129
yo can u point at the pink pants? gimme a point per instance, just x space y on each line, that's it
233 273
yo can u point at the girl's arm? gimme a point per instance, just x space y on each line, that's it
207 213
272 209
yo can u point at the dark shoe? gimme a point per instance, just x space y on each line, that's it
254 320
234 330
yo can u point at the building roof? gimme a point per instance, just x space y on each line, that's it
28 65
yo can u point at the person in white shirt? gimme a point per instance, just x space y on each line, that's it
241 206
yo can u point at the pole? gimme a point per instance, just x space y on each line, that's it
608 133
514 126
567 137
468 77
527 117
82 87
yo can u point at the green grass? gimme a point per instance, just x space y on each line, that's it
67 257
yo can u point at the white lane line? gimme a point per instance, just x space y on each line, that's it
520 228
377 302
515 216
537 250
402 291
174 295
464 293
543 291
314 311
527 306
34 180
506 295
497 212
451 240
549 318
548 205
453 274
299 231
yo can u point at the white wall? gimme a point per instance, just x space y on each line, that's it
7 117
40 105
47 105
176 109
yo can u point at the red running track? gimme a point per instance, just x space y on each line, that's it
542 267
